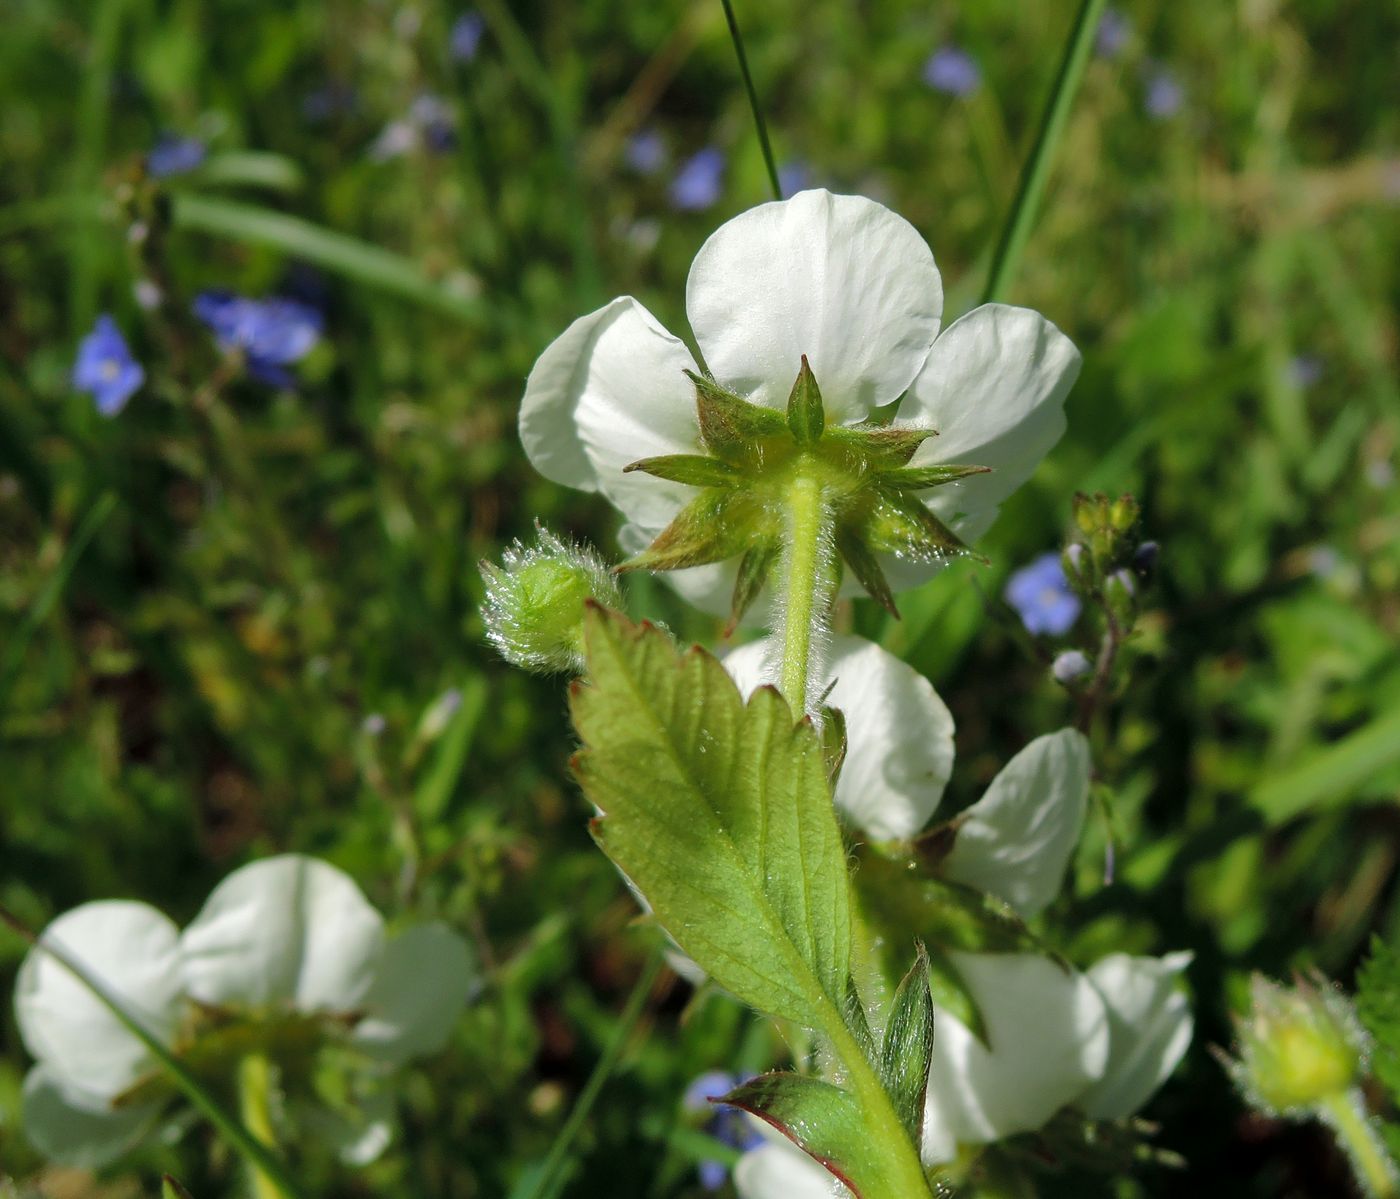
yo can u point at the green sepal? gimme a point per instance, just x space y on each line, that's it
908 1047
694 470
859 1023
916 478
834 741
825 1122
716 525
866 568
730 426
754 568
880 449
901 525
806 418
719 813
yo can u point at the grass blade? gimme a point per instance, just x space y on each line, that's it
1052 123
758 121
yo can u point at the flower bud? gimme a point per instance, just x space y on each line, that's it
1120 593
1145 561
1069 667
535 602
1075 562
1298 1046
1123 513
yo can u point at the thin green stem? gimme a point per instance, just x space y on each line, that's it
254 1103
230 1127
1345 1114
804 590
552 1176
1018 222
758 121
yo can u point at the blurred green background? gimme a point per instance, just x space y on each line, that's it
228 628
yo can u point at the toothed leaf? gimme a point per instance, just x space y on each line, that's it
719 812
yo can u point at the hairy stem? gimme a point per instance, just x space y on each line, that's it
1345 1114
254 1102
805 590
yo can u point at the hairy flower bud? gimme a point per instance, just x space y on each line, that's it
1298 1046
535 602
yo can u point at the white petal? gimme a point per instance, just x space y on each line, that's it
841 279
1017 839
426 976
994 387
780 1170
1150 1026
290 931
70 1129
612 389
360 1130
899 734
130 948
1049 1036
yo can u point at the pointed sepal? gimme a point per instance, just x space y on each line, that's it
908 1047
866 568
714 526
880 449
916 478
754 568
806 417
694 470
899 524
730 426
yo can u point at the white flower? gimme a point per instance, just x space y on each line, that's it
778 1169
285 935
846 282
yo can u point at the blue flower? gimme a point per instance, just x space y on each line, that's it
172 155
1112 34
465 38
1041 595
646 152
953 72
794 177
698 183
727 1125
105 368
1164 96
271 334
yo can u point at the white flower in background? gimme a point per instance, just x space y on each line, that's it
850 285
778 1169
285 941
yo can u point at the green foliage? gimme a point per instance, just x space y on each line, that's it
908 1047
1378 1008
719 812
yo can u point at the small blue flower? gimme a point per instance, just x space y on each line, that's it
1164 95
1041 596
953 72
271 334
172 155
331 99
700 180
646 152
794 177
727 1125
1112 34
105 368
1304 370
1070 666
465 39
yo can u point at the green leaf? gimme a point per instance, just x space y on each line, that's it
827 1123
908 1047
805 415
252 168
694 470
730 426
171 1189
916 478
720 814
1378 1006
1331 777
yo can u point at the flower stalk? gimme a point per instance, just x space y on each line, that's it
1345 1113
255 1108
805 589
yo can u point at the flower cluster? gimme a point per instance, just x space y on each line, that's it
286 958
